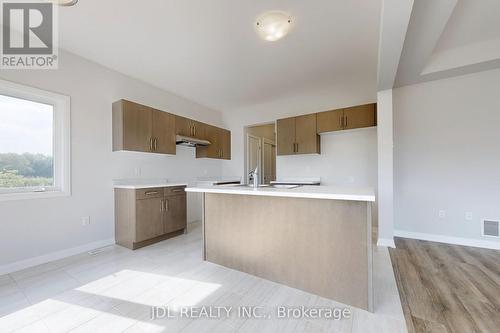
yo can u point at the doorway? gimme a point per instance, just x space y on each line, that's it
261 151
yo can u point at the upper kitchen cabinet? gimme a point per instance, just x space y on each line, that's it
220 144
306 135
163 132
348 118
188 127
298 135
285 134
225 144
360 116
329 121
138 127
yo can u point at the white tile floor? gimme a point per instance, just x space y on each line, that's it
113 291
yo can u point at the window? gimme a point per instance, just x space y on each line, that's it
34 143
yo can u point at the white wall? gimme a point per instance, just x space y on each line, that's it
347 158
348 93
31 228
385 147
447 155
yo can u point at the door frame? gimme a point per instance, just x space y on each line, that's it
247 157
245 146
272 143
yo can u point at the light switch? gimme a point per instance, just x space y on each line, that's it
85 221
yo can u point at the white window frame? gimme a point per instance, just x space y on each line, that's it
61 142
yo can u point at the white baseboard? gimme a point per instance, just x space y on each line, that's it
386 242
448 240
22 264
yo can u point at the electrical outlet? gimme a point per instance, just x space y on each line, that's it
442 214
137 172
85 221
468 216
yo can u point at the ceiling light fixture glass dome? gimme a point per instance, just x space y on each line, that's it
63 2
273 25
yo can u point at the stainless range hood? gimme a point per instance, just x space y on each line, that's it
190 142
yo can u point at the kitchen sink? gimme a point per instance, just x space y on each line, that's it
267 185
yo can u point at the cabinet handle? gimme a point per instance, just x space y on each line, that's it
161 205
345 121
194 129
341 121
166 205
151 193
155 144
150 144
178 190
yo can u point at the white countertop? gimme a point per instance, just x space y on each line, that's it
139 186
313 192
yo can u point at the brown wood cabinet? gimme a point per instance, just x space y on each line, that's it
138 127
360 116
188 127
347 118
146 216
163 132
220 144
329 121
225 144
298 135
175 213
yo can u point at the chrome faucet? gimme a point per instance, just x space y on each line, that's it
255 177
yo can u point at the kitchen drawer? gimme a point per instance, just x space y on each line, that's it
176 190
147 193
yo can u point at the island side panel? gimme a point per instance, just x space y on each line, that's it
316 245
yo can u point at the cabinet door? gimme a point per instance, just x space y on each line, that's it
360 116
183 126
164 132
225 140
175 213
213 149
149 219
136 126
329 121
306 135
286 136
199 129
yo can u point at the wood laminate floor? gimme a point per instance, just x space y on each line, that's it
113 291
447 288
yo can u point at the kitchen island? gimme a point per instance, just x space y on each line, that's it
313 238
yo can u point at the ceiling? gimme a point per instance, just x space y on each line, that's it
448 38
208 51
471 22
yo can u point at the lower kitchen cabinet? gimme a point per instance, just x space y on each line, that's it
147 216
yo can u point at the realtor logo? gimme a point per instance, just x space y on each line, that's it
29 39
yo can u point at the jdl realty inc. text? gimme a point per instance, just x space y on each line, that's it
258 312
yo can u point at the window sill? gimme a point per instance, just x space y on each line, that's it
33 195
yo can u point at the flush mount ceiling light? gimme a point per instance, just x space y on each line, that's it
273 25
63 2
